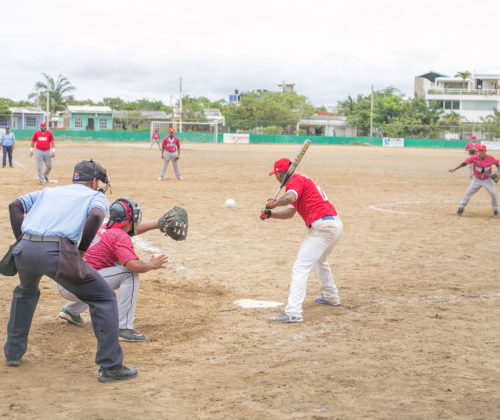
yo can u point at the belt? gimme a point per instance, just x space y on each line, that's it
38 238
324 218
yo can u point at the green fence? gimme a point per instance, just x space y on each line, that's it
197 137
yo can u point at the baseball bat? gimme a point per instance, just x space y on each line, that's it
293 166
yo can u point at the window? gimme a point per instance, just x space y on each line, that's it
479 105
3 121
103 123
78 123
30 122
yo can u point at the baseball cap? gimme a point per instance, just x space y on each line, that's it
7 126
281 165
171 130
43 123
473 137
482 147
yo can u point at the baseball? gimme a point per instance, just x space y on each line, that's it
230 202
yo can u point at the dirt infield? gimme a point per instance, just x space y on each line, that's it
416 337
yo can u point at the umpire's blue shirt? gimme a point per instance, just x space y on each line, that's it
60 211
8 139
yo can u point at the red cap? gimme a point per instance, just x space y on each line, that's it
281 165
482 147
156 129
43 123
473 137
171 130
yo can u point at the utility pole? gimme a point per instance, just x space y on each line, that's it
180 104
371 115
48 112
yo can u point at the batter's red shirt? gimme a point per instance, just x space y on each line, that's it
482 168
472 145
171 144
42 139
110 246
312 203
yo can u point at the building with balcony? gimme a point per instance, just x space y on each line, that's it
473 98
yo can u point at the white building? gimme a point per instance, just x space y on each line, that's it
473 98
326 124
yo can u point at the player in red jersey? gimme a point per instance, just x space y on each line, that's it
481 166
112 255
304 196
155 138
472 147
170 151
42 141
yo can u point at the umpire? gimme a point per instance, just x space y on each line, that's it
56 219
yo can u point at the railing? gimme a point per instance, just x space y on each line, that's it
481 92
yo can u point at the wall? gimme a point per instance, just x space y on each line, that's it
72 135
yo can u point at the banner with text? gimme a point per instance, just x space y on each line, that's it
236 138
491 145
390 142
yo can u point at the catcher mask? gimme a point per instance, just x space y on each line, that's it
122 211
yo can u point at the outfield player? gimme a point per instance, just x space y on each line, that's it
155 138
43 141
112 255
51 241
472 147
170 151
481 164
324 230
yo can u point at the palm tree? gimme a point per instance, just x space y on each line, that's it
57 92
463 74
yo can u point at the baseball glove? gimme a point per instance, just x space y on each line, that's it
472 151
495 177
174 223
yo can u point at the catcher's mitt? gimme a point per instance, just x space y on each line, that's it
472 151
495 177
174 223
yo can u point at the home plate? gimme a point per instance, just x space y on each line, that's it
55 181
251 303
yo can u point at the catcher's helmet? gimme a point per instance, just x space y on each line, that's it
122 211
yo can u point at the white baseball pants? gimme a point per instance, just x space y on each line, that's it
315 249
475 186
43 157
167 157
118 277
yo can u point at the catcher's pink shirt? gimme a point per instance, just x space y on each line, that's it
312 203
473 145
109 247
480 167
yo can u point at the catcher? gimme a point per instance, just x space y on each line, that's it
483 177
112 255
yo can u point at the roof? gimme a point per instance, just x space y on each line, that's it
432 75
89 109
150 115
27 110
212 112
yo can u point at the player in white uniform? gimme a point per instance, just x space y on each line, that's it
324 230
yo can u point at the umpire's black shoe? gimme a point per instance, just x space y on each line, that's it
121 374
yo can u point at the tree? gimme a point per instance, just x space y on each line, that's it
263 109
58 92
393 114
463 74
4 108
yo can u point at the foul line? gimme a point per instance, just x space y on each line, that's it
21 165
380 207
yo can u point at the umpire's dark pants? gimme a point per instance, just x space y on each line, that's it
35 259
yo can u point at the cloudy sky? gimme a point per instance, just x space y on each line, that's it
329 48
